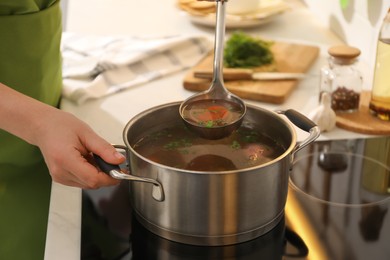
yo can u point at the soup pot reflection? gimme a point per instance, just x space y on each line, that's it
331 188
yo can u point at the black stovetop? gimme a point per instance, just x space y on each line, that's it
345 215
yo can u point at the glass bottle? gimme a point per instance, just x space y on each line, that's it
380 95
342 79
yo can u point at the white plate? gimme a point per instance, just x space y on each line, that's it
230 23
263 15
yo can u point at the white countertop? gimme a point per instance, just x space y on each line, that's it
108 116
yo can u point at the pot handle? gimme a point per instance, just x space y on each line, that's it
115 171
303 123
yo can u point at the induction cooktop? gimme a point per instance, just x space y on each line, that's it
337 208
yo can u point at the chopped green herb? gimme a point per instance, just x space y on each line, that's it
209 123
244 51
185 151
186 142
236 145
178 144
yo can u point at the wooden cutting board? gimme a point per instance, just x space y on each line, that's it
289 57
362 121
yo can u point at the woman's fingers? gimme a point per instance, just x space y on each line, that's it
67 144
97 145
79 170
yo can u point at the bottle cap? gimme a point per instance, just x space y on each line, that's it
344 52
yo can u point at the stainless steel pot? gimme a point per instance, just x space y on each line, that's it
211 208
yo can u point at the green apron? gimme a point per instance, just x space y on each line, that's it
30 62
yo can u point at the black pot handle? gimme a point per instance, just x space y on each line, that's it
105 166
115 171
303 123
299 120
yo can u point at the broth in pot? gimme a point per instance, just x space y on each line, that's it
180 148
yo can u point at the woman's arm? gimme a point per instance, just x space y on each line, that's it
65 141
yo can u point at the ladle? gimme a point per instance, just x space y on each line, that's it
225 110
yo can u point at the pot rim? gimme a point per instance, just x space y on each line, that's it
140 115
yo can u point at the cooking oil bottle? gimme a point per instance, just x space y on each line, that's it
380 96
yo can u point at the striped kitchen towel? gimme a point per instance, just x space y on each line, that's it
96 66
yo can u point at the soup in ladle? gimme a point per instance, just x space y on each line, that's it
212 112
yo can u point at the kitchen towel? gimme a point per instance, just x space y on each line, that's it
97 66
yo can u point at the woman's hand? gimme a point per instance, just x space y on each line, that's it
67 143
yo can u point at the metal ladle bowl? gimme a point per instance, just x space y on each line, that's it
217 90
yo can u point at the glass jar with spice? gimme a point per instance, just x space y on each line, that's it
342 79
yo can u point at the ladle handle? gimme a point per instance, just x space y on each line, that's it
219 48
116 172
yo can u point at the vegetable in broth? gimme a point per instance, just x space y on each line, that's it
178 147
